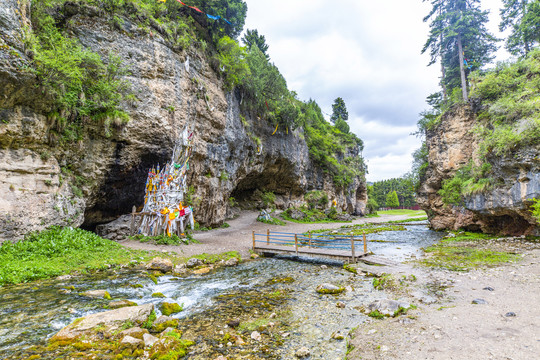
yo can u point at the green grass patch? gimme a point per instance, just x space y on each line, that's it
360 229
273 221
58 251
422 218
166 240
213 258
403 212
465 252
312 216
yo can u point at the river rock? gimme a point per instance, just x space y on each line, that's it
109 320
131 342
149 340
387 307
340 305
160 264
231 262
233 323
194 262
479 302
255 335
163 322
121 304
338 336
254 256
97 294
329 289
135 332
302 352
204 270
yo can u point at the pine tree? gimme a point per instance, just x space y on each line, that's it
459 38
252 38
523 17
339 110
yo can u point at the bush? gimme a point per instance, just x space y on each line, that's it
268 198
232 62
316 199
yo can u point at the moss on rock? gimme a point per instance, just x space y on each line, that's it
170 308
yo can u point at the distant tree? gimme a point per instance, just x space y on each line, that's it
392 199
339 110
252 38
523 17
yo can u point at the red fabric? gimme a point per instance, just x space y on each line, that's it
194 8
182 212
266 105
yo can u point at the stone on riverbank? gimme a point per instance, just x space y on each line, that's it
109 321
149 340
387 307
194 262
121 304
135 332
160 264
231 262
130 342
302 352
164 322
329 289
170 308
97 294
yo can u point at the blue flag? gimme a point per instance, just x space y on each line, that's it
214 17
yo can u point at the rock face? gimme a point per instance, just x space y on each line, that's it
503 209
101 177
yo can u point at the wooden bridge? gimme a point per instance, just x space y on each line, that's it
339 247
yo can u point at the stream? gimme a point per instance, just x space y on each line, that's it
274 296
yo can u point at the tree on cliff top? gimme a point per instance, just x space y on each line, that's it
523 17
458 37
339 110
252 38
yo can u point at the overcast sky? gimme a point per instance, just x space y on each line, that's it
368 53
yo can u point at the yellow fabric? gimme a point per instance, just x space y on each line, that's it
275 130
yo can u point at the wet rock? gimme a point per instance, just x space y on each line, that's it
479 302
204 270
254 256
97 294
302 352
340 305
324 267
231 262
170 308
121 304
180 269
338 336
329 289
256 336
160 264
64 291
63 277
488 288
194 262
149 340
131 342
233 323
164 322
510 314
109 320
135 332
158 295
387 307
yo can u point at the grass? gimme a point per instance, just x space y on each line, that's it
166 240
464 252
422 218
403 212
58 251
213 258
273 221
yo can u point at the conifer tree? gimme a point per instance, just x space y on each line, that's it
252 38
523 17
459 38
339 110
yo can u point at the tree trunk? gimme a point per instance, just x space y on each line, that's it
462 69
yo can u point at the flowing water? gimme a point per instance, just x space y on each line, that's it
32 313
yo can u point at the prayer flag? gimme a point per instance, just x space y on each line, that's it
194 8
213 17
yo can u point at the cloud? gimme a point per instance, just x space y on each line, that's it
368 53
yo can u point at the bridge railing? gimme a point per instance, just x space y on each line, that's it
311 240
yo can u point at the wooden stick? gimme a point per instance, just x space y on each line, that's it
296 243
365 244
267 236
309 240
132 225
253 240
352 248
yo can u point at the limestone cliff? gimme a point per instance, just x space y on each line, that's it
502 209
101 176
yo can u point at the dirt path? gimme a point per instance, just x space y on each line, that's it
454 327
238 235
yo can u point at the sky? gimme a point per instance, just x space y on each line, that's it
366 52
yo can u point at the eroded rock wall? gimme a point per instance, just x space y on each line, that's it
516 178
44 181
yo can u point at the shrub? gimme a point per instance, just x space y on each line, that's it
316 199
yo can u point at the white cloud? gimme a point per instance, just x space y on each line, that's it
368 53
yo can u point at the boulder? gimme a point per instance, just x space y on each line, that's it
131 342
149 340
255 335
194 262
109 320
296 214
204 270
164 322
231 262
121 304
135 332
329 289
160 264
302 352
97 294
